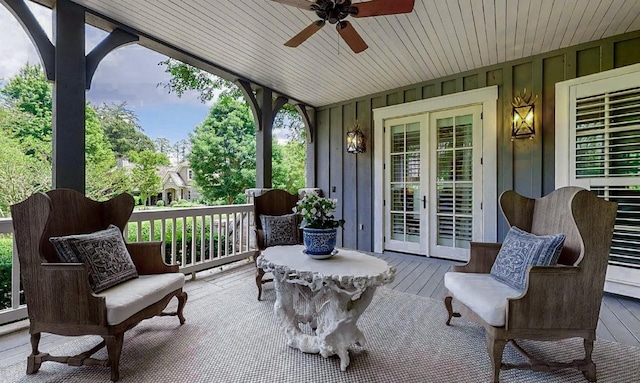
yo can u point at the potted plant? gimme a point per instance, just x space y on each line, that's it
318 224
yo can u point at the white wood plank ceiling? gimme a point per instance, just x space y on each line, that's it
439 38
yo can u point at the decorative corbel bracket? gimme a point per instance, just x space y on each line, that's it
46 50
117 38
255 104
308 116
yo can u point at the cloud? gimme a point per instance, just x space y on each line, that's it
16 49
128 74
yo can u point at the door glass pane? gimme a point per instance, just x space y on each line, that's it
397 138
405 199
454 186
397 226
397 167
464 165
397 198
413 228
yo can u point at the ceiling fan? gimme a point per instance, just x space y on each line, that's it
335 11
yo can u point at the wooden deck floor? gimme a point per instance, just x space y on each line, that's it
619 316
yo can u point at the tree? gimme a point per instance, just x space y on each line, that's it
29 97
289 166
288 160
223 153
122 129
163 145
145 173
20 175
185 77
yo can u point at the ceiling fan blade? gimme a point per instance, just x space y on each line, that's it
305 34
302 4
351 36
382 7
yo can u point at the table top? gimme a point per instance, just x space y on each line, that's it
346 262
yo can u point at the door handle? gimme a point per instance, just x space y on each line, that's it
424 202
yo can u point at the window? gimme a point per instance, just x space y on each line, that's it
189 174
601 148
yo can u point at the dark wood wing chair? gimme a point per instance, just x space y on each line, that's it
59 297
558 302
273 202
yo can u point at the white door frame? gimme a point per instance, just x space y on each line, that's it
487 97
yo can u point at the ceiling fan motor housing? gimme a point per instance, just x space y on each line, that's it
332 11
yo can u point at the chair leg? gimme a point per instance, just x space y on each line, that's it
114 349
259 275
33 365
590 373
495 348
449 306
182 301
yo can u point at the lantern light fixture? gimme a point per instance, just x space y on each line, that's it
523 116
355 140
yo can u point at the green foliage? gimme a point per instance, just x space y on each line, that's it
122 129
20 175
220 182
289 166
184 77
223 153
6 253
160 203
145 173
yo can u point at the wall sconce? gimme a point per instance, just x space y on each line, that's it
355 140
523 113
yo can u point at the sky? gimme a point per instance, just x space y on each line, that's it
130 74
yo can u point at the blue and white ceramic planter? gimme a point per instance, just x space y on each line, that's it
319 241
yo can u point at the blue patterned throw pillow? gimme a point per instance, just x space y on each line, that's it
279 229
103 252
521 250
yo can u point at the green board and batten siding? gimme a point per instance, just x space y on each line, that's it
527 165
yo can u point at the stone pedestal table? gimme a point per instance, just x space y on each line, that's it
329 295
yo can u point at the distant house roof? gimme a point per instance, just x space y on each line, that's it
171 174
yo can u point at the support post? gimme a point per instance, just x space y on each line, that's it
309 118
264 144
69 96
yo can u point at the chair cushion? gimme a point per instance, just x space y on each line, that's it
482 294
103 252
130 297
279 229
519 251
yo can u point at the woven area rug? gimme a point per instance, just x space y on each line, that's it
231 337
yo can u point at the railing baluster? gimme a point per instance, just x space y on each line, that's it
152 236
163 227
194 240
211 237
184 243
174 257
139 234
219 235
203 238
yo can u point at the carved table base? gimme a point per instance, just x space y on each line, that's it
330 304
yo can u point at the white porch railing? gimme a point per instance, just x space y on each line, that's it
197 238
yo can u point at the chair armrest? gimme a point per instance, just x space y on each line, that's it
69 298
147 256
553 298
482 255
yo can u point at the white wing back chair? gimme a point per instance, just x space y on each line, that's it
558 301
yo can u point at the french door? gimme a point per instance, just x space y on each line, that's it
433 182
456 186
406 169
